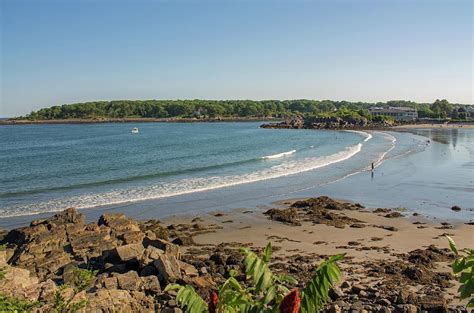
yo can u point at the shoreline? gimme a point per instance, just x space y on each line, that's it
169 206
436 126
138 120
444 125
383 266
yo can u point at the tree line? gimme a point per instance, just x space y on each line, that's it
229 108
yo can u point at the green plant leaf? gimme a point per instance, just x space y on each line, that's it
316 292
267 252
452 245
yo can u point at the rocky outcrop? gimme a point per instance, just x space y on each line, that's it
321 210
299 122
135 261
296 122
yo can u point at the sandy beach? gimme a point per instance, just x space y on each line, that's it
370 239
436 126
394 261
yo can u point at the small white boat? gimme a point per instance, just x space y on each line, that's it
135 130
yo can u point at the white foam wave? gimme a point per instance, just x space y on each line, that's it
183 186
367 135
382 156
377 163
279 155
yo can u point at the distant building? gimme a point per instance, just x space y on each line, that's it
469 109
398 113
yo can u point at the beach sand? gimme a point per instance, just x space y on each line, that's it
436 126
392 262
364 247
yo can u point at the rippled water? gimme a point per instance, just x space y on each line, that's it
194 168
51 167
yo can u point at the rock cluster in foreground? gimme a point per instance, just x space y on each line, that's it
136 260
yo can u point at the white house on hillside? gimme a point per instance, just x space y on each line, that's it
398 113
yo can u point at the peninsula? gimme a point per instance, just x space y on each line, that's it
236 110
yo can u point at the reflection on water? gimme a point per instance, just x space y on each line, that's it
446 136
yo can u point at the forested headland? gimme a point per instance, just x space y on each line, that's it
212 109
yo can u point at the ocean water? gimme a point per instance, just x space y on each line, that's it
52 167
196 167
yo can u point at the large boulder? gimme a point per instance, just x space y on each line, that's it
188 269
122 227
128 281
105 300
69 216
19 283
150 284
169 248
128 252
168 268
150 254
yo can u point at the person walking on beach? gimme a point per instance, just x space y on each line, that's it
372 166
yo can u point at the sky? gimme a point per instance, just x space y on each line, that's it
69 51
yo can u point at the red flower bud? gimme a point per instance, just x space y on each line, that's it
212 305
291 302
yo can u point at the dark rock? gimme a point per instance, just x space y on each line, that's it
287 216
357 288
406 308
218 259
456 208
354 243
358 225
429 255
148 271
433 303
393 215
335 293
406 297
233 260
183 241
345 284
413 273
334 308
384 302
363 294
389 228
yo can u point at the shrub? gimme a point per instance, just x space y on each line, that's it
11 304
268 293
82 280
463 266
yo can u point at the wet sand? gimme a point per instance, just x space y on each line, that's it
368 245
436 126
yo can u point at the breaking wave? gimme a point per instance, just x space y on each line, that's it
183 186
279 155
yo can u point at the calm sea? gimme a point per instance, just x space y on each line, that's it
47 168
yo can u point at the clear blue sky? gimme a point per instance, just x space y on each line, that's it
64 51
